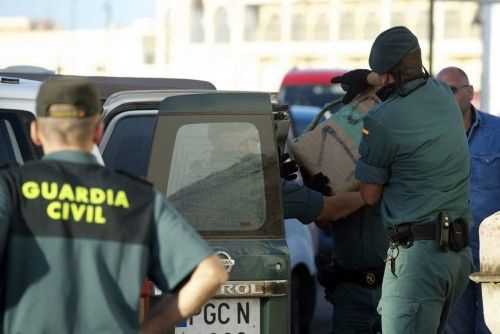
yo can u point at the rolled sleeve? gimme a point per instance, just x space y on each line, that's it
376 152
371 174
301 202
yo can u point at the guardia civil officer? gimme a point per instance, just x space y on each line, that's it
414 159
77 239
353 277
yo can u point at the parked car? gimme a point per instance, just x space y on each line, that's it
309 87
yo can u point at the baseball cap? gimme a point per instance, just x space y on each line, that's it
390 47
76 91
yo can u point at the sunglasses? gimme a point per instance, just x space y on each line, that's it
454 89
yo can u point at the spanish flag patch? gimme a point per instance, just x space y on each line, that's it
365 131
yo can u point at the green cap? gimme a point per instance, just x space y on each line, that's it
76 91
390 47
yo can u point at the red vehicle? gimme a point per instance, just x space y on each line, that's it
309 87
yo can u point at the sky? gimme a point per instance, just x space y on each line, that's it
72 14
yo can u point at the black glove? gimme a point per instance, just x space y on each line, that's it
288 167
318 182
353 82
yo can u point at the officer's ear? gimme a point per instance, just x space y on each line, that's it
35 133
386 79
99 129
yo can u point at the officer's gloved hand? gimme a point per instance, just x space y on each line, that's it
288 167
353 82
318 182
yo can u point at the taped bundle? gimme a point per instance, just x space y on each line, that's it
331 147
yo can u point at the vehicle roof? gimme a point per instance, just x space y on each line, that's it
143 96
156 96
18 93
297 77
109 85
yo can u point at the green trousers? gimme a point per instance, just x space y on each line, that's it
426 284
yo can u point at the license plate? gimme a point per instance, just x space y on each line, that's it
221 316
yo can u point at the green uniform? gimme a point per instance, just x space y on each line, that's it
359 246
300 202
414 145
77 241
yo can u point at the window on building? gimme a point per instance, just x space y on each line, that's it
298 31
197 32
372 25
148 49
273 29
322 28
222 33
251 23
452 26
347 25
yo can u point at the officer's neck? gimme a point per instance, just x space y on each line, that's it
56 147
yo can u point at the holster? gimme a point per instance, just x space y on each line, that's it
448 234
451 235
326 277
459 235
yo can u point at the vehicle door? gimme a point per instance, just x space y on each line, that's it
214 156
15 142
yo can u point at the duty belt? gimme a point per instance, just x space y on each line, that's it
367 278
405 234
448 235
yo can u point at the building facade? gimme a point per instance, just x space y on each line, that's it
251 44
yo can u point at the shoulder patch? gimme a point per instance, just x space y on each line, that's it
133 176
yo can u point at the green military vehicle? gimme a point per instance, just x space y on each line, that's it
214 155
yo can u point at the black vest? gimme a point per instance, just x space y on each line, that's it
72 200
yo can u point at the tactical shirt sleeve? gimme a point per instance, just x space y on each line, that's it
5 209
300 202
176 249
376 152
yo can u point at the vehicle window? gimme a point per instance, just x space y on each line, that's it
9 147
129 146
217 177
311 95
